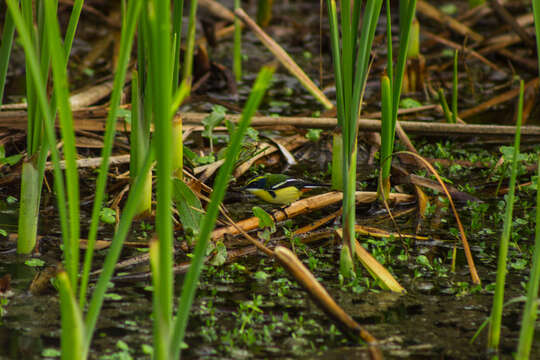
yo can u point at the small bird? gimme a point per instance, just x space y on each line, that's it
278 188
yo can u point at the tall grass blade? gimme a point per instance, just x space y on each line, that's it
159 27
237 52
178 8
128 213
455 89
61 87
389 47
191 280
407 10
190 46
536 15
126 41
72 26
498 298
530 310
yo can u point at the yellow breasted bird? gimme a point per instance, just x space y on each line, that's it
278 188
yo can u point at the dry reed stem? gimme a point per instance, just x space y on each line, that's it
284 58
465 243
319 294
304 206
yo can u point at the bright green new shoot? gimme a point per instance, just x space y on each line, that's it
387 137
444 105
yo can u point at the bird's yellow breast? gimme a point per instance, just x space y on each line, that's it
282 196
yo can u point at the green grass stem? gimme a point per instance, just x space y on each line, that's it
498 298
389 46
72 26
530 311
536 15
390 100
178 13
407 11
190 45
530 314
159 75
5 51
455 89
237 52
192 277
444 105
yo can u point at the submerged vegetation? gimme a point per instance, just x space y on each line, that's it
129 226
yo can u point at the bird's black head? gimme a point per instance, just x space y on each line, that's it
257 182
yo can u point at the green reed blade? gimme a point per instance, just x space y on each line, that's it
498 297
190 45
36 76
5 51
455 89
192 277
128 213
68 137
530 310
389 48
405 21
178 12
126 41
237 52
